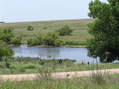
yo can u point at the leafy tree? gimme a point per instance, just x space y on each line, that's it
65 31
105 30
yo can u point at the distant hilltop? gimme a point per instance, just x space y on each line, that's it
2 22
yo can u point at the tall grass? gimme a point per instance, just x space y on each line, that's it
98 77
75 83
97 80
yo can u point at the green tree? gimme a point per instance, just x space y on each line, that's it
105 30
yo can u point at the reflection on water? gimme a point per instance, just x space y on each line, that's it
78 54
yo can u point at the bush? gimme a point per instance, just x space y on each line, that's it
58 42
29 66
5 51
50 39
30 28
16 40
44 27
7 36
33 42
65 31
72 43
40 39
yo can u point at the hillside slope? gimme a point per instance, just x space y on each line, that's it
80 33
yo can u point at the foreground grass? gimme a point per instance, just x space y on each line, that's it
95 81
78 37
109 82
30 65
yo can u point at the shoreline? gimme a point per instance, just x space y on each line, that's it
42 46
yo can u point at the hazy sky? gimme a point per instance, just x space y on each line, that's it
36 10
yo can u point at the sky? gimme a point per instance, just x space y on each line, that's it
39 10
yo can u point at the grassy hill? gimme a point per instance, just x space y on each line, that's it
79 35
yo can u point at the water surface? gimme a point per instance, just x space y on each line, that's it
78 54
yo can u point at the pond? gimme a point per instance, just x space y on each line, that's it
78 54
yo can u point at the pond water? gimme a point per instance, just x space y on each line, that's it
78 54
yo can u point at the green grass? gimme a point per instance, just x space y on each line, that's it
79 35
27 65
110 82
23 66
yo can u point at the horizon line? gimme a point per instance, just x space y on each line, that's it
44 20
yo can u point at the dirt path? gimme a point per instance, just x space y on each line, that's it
20 77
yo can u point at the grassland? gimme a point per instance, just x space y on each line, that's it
79 35
95 81
106 82
22 66
27 65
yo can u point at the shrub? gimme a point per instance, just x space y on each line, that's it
16 40
5 52
50 39
65 31
7 36
30 28
40 39
72 43
33 42
58 42
29 66
44 27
